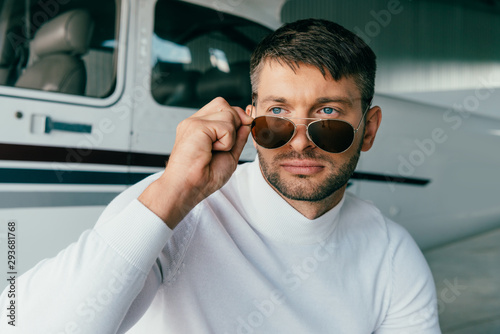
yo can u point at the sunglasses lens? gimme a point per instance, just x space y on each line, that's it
331 135
272 132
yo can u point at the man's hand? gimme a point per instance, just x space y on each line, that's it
205 154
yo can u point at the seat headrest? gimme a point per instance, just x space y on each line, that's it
234 86
69 33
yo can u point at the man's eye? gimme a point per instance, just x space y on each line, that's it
328 110
276 110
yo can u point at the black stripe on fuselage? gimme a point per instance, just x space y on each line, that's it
47 176
61 175
14 152
390 178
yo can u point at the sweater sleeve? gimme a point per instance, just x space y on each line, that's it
102 283
413 304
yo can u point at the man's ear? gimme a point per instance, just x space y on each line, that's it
373 119
248 110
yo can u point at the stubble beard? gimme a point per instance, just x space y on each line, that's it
301 187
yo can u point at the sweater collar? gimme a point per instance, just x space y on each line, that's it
273 217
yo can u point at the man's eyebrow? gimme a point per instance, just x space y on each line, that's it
335 99
321 100
274 99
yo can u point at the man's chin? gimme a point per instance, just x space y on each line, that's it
310 187
302 187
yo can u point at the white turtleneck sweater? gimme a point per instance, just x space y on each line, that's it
242 261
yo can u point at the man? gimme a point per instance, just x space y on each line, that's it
273 246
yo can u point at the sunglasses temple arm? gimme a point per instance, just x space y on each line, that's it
363 116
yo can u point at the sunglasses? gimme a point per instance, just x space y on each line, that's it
330 135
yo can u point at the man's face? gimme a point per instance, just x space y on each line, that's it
299 170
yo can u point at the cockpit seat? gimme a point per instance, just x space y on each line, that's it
56 51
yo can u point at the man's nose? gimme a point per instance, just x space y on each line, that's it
300 140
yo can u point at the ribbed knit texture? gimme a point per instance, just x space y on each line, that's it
136 225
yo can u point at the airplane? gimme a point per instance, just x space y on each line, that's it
92 92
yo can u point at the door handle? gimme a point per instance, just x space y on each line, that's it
45 124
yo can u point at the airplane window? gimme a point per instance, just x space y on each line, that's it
198 54
35 55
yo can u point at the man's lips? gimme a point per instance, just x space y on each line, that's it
302 167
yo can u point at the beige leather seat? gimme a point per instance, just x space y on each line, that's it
56 51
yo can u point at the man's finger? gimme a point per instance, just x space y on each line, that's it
244 118
241 139
225 135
